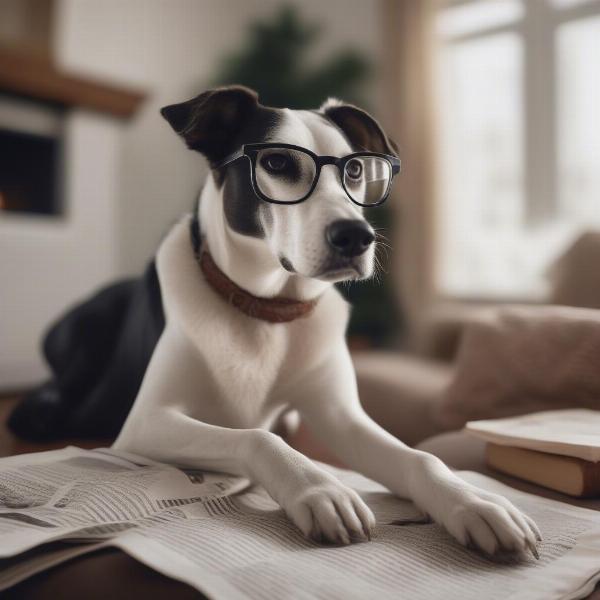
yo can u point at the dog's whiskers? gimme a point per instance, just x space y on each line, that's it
382 239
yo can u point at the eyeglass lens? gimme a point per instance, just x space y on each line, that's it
284 174
367 178
287 175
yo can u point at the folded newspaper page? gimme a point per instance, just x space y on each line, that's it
231 541
570 432
51 495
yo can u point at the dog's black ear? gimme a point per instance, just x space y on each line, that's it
361 129
210 122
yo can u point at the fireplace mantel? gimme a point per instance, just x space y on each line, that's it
32 77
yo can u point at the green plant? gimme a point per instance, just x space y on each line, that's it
274 61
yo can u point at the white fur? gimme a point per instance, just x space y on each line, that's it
331 103
219 381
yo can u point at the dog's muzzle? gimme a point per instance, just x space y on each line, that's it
349 237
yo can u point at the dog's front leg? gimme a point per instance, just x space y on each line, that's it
161 426
331 408
472 515
319 505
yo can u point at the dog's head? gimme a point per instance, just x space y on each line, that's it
324 237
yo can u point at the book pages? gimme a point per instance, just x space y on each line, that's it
571 432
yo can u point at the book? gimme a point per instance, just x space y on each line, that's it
567 474
570 432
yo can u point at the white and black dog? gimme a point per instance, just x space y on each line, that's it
237 322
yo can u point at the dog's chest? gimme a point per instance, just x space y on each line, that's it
246 372
246 365
239 368
238 365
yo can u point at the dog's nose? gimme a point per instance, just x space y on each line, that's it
350 237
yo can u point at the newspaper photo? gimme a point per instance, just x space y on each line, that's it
229 540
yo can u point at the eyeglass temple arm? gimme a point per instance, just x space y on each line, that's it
396 165
230 158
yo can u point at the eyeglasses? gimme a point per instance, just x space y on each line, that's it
288 174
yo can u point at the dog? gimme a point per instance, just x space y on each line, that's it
236 323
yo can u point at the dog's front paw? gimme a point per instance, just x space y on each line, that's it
489 522
327 511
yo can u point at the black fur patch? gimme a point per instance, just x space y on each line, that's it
210 122
361 129
195 233
240 203
98 352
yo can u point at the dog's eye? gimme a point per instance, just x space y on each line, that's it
354 169
275 163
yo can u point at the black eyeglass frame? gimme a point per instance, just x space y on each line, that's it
250 151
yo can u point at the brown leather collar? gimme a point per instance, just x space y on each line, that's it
273 310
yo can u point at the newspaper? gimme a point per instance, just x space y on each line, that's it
229 540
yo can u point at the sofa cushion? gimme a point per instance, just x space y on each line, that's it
402 393
520 359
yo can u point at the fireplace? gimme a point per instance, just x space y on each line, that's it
60 139
30 158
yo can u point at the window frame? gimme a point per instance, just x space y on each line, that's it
537 29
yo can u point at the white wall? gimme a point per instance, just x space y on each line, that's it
130 180
45 264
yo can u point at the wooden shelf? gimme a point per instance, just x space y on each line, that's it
36 78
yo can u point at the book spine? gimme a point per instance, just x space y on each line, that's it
577 477
591 479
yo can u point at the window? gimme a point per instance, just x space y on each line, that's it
519 89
